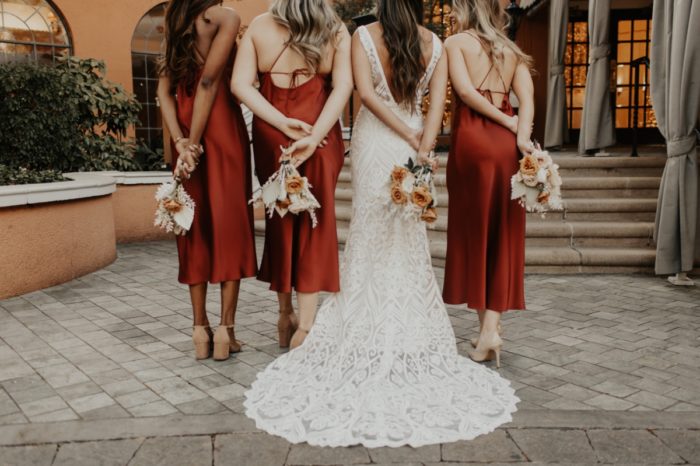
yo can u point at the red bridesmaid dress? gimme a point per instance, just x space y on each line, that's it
485 262
220 246
297 256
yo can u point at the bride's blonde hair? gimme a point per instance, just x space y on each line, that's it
312 25
487 19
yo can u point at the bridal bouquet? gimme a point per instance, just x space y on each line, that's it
287 191
175 210
413 191
537 185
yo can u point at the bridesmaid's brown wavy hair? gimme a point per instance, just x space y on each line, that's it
402 38
180 59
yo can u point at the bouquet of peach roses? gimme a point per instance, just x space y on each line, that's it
413 191
175 211
287 191
537 185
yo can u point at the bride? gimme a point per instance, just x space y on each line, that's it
380 366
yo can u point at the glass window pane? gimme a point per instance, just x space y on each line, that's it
578 96
140 90
640 29
581 31
579 75
624 30
651 118
623 74
623 53
575 119
639 50
622 98
581 54
621 118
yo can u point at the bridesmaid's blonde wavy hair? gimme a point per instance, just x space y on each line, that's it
312 25
487 20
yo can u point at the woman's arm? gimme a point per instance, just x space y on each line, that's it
436 112
245 75
228 23
362 70
465 90
303 149
168 108
524 90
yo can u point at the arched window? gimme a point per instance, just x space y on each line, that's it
32 31
145 50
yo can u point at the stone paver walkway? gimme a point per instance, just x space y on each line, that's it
115 345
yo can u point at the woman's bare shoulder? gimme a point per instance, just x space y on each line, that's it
219 15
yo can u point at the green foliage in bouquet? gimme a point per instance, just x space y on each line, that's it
65 118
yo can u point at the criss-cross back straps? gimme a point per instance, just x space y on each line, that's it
274 63
488 73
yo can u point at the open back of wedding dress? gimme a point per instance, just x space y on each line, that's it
380 366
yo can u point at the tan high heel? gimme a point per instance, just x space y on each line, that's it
475 341
298 338
225 343
487 351
201 337
286 326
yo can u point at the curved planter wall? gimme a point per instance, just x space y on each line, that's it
54 232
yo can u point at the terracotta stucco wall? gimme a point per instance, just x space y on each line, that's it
103 28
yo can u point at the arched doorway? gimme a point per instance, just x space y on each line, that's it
32 31
146 46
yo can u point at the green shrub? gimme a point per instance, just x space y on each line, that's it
67 118
12 176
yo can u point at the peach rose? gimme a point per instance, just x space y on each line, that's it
284 204
421 196
398 174
294 184
430 215
397 195
543 197
171 205
529 165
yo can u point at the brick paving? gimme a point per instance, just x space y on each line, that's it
115 345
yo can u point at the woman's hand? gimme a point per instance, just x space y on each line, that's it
414 139
512 124
181 145
295 129
429 159
525 146
187 162
302 150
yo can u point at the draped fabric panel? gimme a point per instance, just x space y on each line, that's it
597 124
556 128
675 90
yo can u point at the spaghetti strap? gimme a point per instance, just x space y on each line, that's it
486 77
274 63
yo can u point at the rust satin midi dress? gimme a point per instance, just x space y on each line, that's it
486 229
220 246
297 256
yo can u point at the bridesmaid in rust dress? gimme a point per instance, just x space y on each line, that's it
299 53
486 229
212 144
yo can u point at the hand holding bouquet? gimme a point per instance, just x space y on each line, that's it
287 191
537 184
175 211
412 191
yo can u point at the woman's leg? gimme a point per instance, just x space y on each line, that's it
308 304
288 321
225 338
490 342
201 334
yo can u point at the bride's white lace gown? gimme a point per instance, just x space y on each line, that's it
380 366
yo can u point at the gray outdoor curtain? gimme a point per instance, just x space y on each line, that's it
675 90
597 125
556 127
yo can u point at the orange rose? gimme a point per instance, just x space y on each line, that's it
421 196
397 195
543 197
398 174
529 165
294 184
284 204
430 215
171 205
